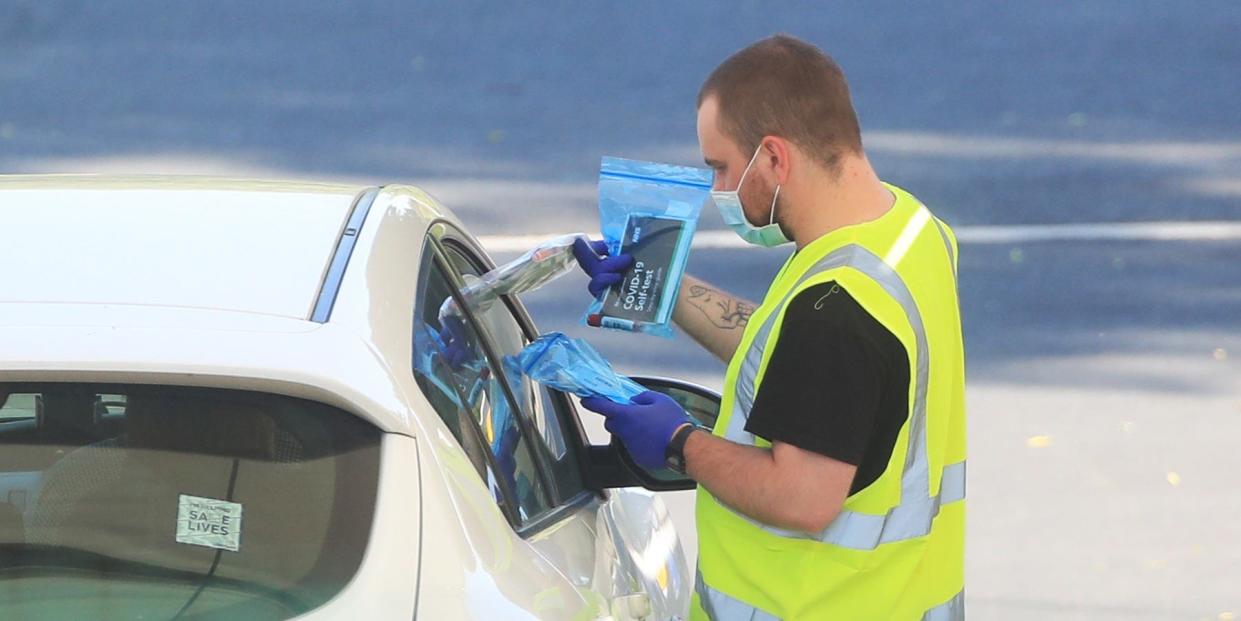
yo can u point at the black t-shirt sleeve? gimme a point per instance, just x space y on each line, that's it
827 388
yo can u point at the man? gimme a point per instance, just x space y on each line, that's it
832 485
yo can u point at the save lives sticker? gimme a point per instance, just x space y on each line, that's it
209 522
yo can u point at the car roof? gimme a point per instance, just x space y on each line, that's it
356 357
194 242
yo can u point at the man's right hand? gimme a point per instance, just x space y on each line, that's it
645 425
604 271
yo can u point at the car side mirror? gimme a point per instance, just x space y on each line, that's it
611 465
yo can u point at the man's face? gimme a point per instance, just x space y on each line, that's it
724 157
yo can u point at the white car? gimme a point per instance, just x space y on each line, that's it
223 400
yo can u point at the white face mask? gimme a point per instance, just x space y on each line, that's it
729 204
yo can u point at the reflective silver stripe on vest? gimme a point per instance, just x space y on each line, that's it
722 607
951 610
952 256
865 531
952 486
913 516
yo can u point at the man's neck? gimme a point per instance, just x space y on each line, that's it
854 196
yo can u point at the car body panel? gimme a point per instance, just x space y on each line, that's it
649 550
474 565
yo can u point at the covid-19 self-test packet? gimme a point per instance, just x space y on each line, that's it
648 211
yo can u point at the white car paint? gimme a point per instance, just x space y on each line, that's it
161 243
211 282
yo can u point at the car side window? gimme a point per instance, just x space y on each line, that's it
547 414
466 389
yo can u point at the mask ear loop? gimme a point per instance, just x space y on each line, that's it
747 169
772 219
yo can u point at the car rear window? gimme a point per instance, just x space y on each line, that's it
160 502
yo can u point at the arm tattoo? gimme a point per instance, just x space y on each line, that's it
721 310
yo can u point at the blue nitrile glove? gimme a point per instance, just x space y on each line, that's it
645 425
604 271
456 348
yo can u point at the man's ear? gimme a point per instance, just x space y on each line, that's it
777 153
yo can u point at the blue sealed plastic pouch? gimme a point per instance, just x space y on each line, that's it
648 211
572 365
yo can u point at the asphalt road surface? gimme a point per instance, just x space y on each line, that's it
1104 392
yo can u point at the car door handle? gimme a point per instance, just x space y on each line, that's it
631 607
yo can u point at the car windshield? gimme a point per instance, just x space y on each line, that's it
157 502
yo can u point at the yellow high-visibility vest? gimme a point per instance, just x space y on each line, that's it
896 551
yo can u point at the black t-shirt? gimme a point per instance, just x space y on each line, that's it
837 383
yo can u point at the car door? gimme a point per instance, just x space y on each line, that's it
618 545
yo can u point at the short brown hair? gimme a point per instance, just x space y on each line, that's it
783 86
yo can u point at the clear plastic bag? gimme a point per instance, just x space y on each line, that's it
649 211
537 267
571 365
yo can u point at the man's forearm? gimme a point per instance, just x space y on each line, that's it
752 481
712 317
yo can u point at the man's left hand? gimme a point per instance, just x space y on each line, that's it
645 425
604 271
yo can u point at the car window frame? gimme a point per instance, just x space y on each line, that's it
509 506
560 408
495 362
442 236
